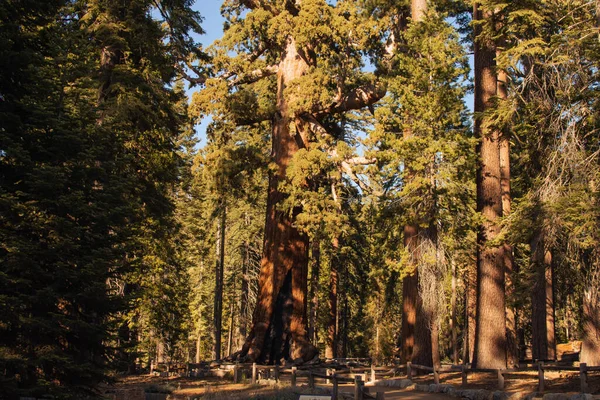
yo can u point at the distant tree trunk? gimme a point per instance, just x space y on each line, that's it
243 305
314 291
332 333
279 321
512 351
471 310
590 348
345 320
218 303
490 337
231 322
198 357
453 327
543 344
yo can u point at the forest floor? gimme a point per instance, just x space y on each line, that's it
132 387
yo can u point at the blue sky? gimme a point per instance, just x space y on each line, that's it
213 26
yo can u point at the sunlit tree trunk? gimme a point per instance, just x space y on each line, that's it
490 335
314 291
218 301
279 321
512 351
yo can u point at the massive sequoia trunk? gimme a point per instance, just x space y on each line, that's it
279 321
543 343
490 335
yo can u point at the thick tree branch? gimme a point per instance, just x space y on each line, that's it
360 97
254 76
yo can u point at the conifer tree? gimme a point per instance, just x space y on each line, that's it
297 47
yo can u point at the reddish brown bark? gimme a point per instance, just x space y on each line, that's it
512 351
314 290
416 332
332 331
590 348
490 335
543 343
279 321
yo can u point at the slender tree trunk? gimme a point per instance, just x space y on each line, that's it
590 347
243 305
512 351
314 290
471 309
490 336
279 321
332 332
198 351
218 301
543 344
453 327
231 322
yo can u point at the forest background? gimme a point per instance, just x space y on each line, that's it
343 201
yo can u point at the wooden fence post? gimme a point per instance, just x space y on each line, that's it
334 392
380 396
408 370
358 388
294 376
583 377
236 373
254 373
500 379
276 373
436 375
373 378
463 374
311 380
540 376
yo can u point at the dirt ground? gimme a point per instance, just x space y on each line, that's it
133 387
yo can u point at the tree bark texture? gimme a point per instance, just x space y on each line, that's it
218 301
332 331
590 348
416 332
490 336
543 344
512 351
279 321
471 311
314 291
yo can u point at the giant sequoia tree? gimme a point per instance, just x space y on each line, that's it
299 62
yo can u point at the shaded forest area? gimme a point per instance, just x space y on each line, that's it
346 202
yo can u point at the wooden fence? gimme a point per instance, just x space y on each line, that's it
540 367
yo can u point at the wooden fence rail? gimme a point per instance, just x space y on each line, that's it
540 367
